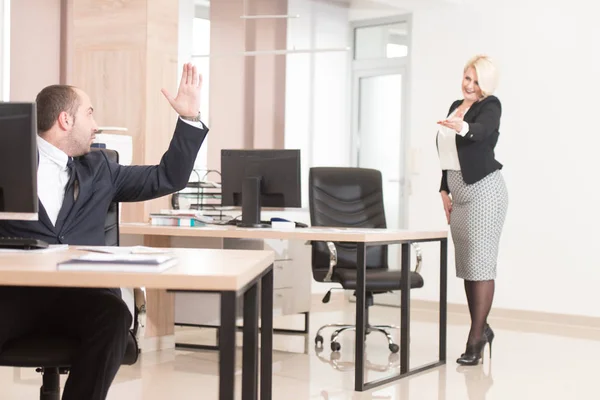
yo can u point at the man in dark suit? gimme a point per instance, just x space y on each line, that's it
75 189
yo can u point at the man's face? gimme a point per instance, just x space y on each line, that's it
83 130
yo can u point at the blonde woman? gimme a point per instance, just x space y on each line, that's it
474 195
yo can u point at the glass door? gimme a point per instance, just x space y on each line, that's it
379 144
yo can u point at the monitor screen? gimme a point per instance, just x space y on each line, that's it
260 178
279 171
18 161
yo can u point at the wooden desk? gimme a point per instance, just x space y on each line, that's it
363 238
292 280
198 270
314 233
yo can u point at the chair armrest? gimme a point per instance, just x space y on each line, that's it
140 298
139 324
418 256
333 259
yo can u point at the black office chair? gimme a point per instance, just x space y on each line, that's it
52 355
352 197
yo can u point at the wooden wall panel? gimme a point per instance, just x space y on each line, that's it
122 53
34 47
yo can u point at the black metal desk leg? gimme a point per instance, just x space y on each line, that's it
266 337
227 346
250 349
443 296
359 354
405 310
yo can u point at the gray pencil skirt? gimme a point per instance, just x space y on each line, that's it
476 222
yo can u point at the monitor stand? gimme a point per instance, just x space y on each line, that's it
251 203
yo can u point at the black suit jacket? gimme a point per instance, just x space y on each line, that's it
476 149
102 181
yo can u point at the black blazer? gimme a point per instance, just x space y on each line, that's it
102 181
476 148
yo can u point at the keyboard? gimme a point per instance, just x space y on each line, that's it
22 243
235 221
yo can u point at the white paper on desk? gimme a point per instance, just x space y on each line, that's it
49 249
119 262
123 250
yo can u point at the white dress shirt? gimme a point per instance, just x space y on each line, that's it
447 145
53 175
52 178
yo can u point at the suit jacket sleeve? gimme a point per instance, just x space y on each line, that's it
141 182
444 184
486 122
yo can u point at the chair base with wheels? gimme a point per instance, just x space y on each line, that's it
336 346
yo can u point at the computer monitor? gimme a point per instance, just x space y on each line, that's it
18 161
254 179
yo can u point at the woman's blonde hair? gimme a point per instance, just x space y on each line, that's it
487 73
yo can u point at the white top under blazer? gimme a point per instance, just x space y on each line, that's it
447 145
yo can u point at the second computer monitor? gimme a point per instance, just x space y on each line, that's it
18 161
260 178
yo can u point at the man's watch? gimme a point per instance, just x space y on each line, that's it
194 119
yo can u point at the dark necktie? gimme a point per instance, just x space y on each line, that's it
73 184
70 194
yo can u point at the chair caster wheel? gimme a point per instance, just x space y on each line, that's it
394 348
319 340
335 346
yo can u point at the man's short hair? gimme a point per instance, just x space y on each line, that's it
53 100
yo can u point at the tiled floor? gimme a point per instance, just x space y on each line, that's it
530 362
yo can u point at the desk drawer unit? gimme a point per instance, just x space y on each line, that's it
283 274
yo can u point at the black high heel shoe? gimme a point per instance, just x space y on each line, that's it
474 352
489 334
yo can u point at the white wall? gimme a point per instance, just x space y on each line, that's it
185 34
201 34
374 10
317 87
549 141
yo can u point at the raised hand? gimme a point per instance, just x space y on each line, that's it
455 122
187 101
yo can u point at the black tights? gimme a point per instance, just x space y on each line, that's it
480 295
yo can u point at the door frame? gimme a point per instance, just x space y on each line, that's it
378 67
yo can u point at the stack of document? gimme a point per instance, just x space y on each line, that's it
178 218
119 262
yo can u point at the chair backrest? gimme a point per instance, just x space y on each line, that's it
111 224
346 197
